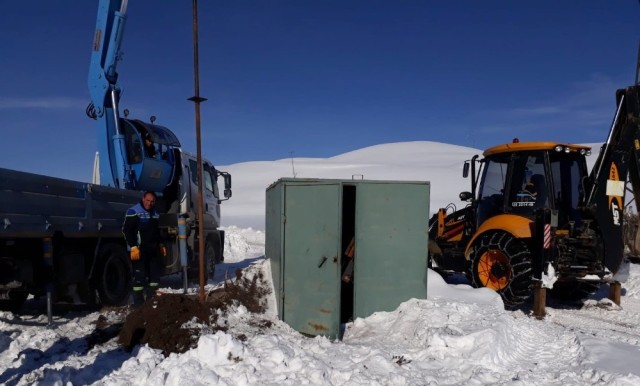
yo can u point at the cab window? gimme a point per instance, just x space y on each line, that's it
208 174
491 193
193 167
567 172
528 189
134 145
208 183
212 185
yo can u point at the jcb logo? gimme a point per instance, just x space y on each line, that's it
615 212
615 191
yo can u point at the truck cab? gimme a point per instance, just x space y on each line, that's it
211 192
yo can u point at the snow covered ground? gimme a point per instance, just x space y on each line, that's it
458 335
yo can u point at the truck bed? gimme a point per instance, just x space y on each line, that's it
33 205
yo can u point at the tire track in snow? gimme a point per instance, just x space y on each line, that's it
609 324
522 343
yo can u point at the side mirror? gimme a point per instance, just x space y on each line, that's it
227 185
466 196
465 169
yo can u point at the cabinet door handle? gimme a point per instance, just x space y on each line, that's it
324 259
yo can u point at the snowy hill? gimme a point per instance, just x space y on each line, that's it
419 161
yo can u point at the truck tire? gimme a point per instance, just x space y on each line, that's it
15 301
210 259
193 270
219 245
112 275
503 263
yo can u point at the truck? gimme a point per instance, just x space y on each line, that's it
64 238
537 216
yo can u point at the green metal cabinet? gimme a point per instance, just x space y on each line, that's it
309 224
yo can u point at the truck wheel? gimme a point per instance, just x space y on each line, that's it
193 270
219 245
112 276
15 301
210 256
503 263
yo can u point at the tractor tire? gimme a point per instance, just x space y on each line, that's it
574 290
112 275
502 263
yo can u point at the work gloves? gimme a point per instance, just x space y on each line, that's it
135 253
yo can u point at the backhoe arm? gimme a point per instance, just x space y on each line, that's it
619 158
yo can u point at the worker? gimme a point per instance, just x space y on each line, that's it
142 234
149 147
533 194
539 189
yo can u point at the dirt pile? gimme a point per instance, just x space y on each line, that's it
174 322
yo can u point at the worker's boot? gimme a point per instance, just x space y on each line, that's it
150 291
138 297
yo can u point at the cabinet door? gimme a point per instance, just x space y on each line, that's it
391 245
274 221
310 264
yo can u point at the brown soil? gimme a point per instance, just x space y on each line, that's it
160 321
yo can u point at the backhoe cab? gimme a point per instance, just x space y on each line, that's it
518 178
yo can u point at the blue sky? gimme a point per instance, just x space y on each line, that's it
318 78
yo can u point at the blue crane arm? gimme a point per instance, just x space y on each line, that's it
103 77
105 93
124 161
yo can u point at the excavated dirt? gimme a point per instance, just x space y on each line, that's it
173 322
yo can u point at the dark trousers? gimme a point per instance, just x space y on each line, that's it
146 275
